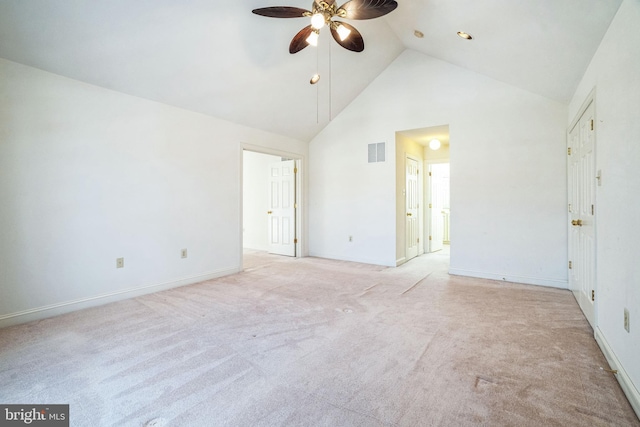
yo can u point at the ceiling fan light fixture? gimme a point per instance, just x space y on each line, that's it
314 79
465 36
434 144
317 21
343 32
322 13
313 38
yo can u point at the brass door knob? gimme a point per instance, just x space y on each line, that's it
576 222
269 212
408 213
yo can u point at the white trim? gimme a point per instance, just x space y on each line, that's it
51 310
632 393
539 281
352 259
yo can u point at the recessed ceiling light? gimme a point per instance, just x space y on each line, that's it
464 35
434 144
418 34
314 79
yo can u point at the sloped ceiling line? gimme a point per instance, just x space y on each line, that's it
218 58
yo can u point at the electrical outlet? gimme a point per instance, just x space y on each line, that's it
183 253
626 320
351 238
119 262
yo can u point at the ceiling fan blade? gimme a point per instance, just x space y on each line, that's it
366 9
299 41
353 41
281 12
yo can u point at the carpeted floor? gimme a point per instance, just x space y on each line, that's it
314 342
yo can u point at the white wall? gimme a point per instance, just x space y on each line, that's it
508 185
350 197
88 175
256 199
614 72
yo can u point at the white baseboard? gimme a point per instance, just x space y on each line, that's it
540 281
629 389
352 259
46 311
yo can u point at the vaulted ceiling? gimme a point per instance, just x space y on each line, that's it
219 59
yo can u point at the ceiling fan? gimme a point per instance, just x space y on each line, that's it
322 13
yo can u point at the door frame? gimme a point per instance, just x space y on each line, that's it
301 244
589 101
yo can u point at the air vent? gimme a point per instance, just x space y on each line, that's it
376 152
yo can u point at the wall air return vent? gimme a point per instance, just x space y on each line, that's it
376 152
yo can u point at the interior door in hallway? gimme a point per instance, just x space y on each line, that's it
282 208
438 203
582 204
412 198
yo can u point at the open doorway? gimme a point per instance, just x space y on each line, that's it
431 146
271 218
438 199
437 188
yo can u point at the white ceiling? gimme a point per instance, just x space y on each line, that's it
218 58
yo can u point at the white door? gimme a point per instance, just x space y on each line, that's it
412 198
282 203
581 187
438 205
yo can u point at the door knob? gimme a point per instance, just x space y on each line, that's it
408 213
576 222
269 212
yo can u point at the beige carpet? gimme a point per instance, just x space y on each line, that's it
313 342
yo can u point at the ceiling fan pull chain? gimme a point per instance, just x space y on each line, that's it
330 90
317 88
